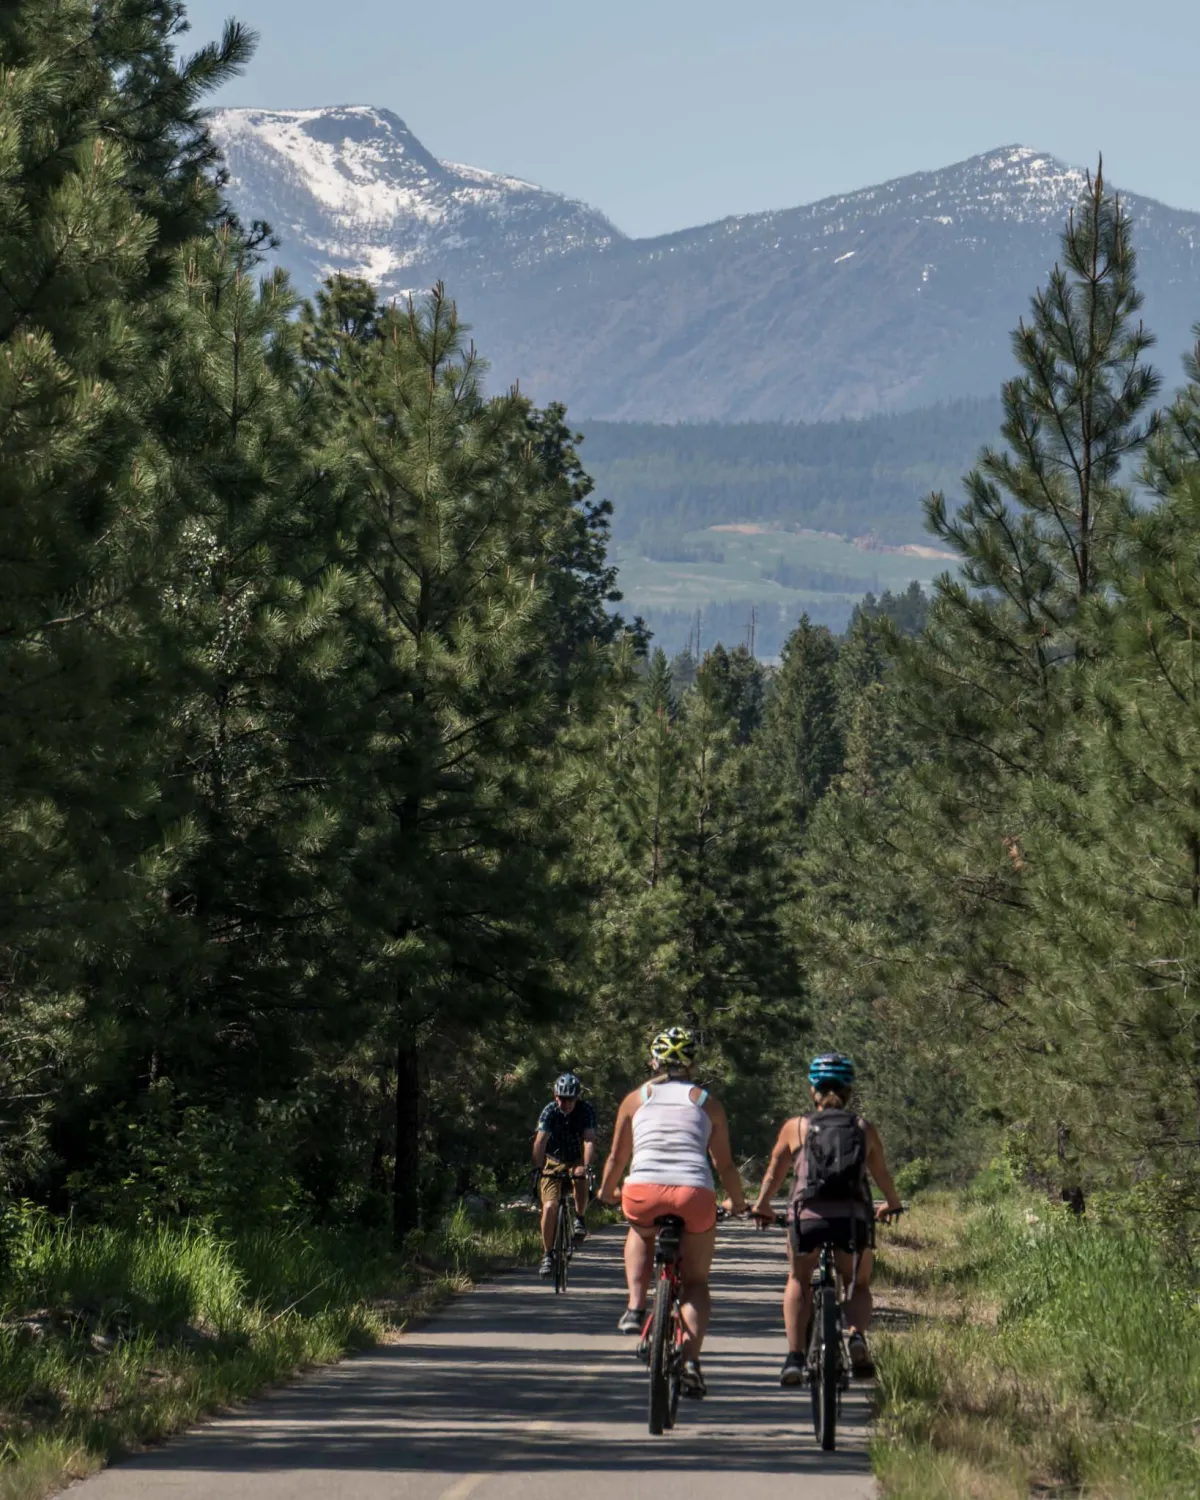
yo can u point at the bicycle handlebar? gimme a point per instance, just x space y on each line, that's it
783 1220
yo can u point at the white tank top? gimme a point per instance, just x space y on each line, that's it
670 1137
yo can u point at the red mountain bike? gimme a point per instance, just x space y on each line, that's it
663 1334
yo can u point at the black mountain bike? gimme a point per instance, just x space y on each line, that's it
564 1229
827 1364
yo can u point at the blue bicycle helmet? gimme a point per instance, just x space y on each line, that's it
831 1067
567 1086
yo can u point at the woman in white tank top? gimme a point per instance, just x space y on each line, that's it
671 1133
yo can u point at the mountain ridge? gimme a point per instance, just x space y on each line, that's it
351 188
885 298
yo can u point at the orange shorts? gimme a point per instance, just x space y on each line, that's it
643 1202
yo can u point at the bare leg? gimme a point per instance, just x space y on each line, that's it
859 1304
581 1196
549 1214
797 1298
639 1263
696 1302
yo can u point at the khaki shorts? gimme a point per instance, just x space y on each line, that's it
548 1187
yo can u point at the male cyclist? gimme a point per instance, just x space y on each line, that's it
672 1128
829 1152
566 1137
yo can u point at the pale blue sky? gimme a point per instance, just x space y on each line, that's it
666 114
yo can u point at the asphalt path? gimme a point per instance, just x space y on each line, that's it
513 1393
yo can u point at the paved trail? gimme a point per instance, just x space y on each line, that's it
514 1394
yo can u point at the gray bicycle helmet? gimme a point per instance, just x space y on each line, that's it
567 1086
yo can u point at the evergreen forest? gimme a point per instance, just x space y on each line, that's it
341 808
852 477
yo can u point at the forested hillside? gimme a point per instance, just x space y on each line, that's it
339 812
849 477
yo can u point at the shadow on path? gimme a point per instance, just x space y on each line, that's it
512 1378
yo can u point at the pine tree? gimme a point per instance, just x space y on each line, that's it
458 530
996 690
800 749
83 249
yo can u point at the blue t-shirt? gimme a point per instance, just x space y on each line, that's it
566 1131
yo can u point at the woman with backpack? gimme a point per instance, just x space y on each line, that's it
830 1153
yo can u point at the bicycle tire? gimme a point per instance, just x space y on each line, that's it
813 1362
831 1343
562 1258
660 1332
675 1375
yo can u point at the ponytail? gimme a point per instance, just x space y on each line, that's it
831 1098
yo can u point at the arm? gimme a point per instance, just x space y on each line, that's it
878 1168
589 1149
722 1156
622 1150
540 1141
777 1169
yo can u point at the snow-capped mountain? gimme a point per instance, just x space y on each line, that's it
352 189
894 296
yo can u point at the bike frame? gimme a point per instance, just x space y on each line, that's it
663 1331
564 1237
827 1360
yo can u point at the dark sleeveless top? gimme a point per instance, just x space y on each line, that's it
841 1208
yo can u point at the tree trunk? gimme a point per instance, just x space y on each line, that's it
406 1177
1071 1193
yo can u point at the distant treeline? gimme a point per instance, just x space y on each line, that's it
763 630
849 477
793 574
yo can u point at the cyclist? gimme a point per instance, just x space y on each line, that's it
830 1201
671 1128
566 1137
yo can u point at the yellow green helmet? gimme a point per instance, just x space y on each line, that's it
673 1048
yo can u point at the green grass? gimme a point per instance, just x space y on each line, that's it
748 559
110 1338
1049 1357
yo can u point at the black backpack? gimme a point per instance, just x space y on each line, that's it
836 1158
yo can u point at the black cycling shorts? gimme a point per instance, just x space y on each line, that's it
847 1234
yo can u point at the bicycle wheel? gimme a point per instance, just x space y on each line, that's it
826 1385
813 1361
562 1243
660 1357
675 1372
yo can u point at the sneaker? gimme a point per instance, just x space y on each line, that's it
691 1380
793 1372
860 1357
546 1269
631 1320
580 1230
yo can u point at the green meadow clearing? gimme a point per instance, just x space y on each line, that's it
780 573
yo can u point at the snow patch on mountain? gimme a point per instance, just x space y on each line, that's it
351 189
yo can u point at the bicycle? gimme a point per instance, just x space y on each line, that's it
663 1334
564 1229
827 1362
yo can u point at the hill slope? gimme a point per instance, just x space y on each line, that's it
899 296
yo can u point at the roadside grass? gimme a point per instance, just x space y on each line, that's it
1044 1356
110 1338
